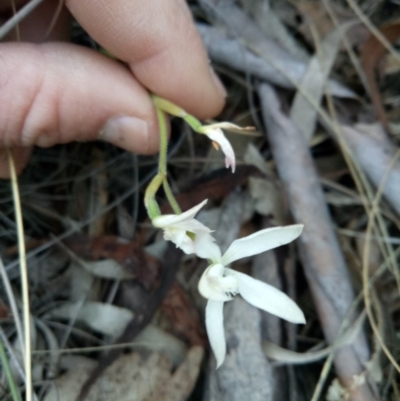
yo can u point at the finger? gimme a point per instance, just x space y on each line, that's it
57 93
160 42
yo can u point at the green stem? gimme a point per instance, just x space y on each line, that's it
170 108
162 164
7 370
167 106
149 197
152 188
171 198
193 122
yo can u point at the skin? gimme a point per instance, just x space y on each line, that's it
56 92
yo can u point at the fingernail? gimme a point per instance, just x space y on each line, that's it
126 132
218 84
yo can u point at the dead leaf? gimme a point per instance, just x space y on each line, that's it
5 312
107 319
262 58
303 113
315 14
154 338
183 316
214 186
371 53
130 255
254 158
185 377
267 198
273 26
133 377
108 268
83 285
67 387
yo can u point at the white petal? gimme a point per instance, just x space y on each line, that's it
261 241
218 284
229 127
180 239
193 226
206 248
175 235
187 245
268 298
172 219
216 135
215 329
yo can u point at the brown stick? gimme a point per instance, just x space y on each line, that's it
322 258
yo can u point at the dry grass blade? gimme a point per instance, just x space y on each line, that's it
381 157
349 48
24 279
85 223
366 253
365 20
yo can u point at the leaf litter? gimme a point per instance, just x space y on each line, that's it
100 296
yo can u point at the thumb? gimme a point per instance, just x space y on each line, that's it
57 93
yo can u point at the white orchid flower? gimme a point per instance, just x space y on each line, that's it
183 229
220 284
214 132
219 140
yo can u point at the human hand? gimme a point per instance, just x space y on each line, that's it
56 92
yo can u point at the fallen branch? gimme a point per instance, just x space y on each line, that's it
322 258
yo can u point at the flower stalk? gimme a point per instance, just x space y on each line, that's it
162 162
150 202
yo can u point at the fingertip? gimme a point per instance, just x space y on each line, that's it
131 133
